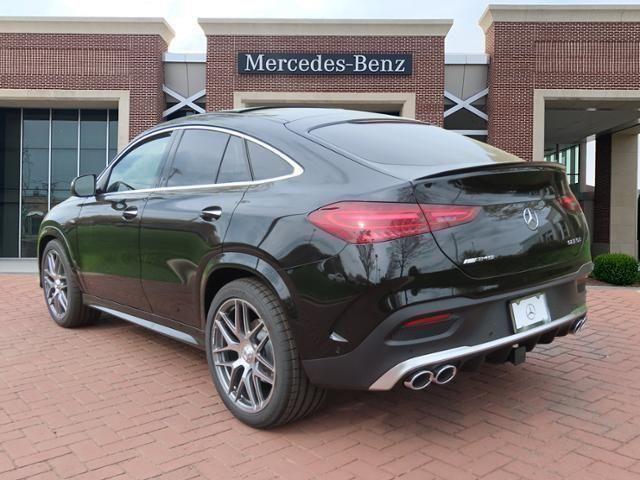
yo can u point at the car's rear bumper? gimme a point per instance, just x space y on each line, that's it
481 329
454 355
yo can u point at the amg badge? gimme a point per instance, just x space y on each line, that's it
485 258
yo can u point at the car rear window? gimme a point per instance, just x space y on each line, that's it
398 143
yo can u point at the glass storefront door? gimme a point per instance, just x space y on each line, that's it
41 151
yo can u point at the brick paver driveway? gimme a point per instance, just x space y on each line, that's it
116 401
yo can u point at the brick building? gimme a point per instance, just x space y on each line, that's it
74 90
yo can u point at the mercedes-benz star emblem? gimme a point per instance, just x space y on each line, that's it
530 218
531 311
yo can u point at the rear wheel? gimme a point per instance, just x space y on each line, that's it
253 358
61 291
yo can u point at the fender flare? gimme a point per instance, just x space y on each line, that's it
52 230
254 265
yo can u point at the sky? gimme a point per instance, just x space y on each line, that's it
465 35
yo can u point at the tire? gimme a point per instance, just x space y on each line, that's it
56 275
290 396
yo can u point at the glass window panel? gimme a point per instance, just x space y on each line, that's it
35 177
36 128
266 164
64 163
234 166
481 104
93 141
64 130
9 180
113 134
64 153
140 167
197 158
463 119
92 161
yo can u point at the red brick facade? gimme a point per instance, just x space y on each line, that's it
602 192
530 55
89 62
427 80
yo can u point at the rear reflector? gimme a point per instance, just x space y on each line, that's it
418 322
570 203
372 222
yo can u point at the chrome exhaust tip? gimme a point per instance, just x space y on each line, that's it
578 325
445 374
419 380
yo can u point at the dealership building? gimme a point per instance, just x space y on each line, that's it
554 80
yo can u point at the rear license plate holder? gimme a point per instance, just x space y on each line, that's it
529 312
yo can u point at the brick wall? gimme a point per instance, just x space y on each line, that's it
526 56
427 80
601 194
89 61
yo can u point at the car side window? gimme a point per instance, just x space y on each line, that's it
266 164
139 168
235 167
197 158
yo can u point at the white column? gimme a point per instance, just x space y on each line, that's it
624 193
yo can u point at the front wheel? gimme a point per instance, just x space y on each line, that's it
253 358
61 291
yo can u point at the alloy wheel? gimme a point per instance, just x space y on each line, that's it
55 284
243 355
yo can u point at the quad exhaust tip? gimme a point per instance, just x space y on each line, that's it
578 325
445 374
421 379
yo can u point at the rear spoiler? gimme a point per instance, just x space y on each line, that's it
506 167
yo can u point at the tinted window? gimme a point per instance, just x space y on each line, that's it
234 166
266 164
197 158
93 141
139 168
400 143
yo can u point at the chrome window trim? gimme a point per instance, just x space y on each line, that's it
297 169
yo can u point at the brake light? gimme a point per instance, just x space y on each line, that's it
445 216
372 222
570 203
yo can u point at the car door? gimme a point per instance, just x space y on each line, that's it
108 232
184 223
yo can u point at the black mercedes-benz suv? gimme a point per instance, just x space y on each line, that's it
308 248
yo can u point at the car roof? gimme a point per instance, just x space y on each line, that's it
259 115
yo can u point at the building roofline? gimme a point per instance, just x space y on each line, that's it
89 25
325 27
559 13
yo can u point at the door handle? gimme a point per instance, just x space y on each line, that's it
130 213
211 213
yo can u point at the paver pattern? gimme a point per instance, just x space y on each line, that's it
116 401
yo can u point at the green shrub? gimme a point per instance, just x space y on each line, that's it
616 268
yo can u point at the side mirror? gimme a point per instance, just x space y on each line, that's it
84 186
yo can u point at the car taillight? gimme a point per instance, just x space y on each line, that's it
570 203
372 222
445 216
